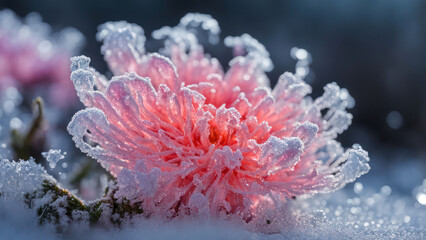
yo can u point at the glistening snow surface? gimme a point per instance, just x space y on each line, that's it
347 214
20 177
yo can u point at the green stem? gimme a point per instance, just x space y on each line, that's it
62 204
22 144
37 122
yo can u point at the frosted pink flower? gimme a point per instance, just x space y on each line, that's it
31 59
183 137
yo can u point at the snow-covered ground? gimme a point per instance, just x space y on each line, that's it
364 210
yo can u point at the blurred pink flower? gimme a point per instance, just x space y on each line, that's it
32 59
183 137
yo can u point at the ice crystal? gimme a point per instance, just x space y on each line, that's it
247 45
184 137
363 214
53 156
30 56
185 33
20 177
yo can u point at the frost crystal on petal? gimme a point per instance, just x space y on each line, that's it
184 137
123 43
185 33
247 45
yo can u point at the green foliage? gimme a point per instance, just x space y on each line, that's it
52 210
22 143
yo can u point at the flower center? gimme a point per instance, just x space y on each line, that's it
216 137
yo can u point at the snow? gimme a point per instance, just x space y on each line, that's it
351 213
20 177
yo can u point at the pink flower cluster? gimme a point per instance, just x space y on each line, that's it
31 59
184 137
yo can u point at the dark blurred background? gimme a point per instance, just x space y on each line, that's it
375 49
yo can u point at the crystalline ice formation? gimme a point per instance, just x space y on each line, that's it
30 56
53 156
180 133
367 214
247 45
19 178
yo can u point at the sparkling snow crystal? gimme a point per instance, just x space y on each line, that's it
19 178
179 133
53 156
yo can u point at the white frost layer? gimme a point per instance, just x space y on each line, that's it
358 214
19 178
